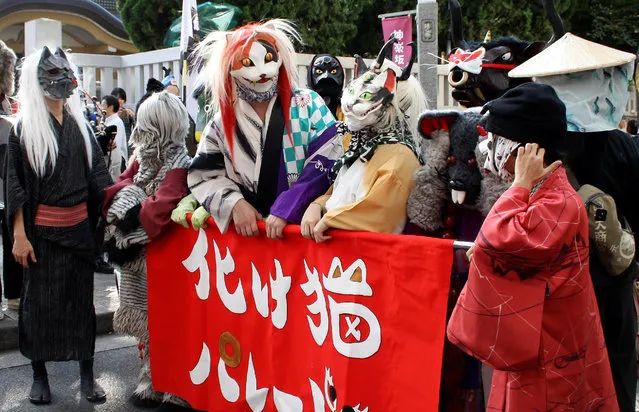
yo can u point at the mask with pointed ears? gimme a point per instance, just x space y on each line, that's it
371 91
56 75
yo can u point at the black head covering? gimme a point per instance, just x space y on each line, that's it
530 113
326 77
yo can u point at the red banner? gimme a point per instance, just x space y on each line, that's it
252 324
402 28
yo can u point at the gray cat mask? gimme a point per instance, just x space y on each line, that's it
55 74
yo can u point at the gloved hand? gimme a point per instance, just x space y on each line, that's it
199 217
186 206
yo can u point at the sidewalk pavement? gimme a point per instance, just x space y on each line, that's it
105 301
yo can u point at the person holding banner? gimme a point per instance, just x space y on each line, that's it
374 178
137 210
529 309
267 151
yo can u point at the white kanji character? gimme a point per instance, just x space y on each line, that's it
614 249
318 307
285 402
399 34
197 261
256 398
280 286
260 294
331 395
235 301
202 369
398 47
228 386
600 226
349 281
600 237
399 59
318 396
359 349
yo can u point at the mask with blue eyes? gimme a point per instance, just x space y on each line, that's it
371 91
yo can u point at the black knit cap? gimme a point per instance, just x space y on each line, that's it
529 113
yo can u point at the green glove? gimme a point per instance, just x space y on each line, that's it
186 206
199 218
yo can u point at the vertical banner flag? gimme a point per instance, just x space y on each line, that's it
252 324
188 40
402 28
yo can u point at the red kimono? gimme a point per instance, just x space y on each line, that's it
529 309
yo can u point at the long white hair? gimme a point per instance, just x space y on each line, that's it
407 104
162 119
412 101
36 129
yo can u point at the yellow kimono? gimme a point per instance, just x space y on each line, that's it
372 196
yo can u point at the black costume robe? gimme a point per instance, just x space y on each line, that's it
57 317
609 160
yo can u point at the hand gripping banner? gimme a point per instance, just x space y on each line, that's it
252 324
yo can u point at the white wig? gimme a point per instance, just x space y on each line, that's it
36 128
162 119
408 103
412 101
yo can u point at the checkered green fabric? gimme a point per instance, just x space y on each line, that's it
309 119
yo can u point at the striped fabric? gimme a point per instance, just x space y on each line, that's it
131 317
52 216
215 180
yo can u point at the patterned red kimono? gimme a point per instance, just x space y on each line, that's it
529 309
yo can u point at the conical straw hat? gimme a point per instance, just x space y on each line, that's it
571 54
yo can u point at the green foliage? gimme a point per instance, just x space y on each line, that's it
146 21
345 27
325 26
614 23
524 19
369 40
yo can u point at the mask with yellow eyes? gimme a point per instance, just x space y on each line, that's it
367 98
256 68
325 74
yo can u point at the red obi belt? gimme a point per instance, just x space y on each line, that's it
53 216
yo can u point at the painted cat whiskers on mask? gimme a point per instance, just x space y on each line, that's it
252 63
383 96
255 70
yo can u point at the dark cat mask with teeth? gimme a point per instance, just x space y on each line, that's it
55 74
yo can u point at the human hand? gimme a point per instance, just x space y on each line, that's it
529 166
318 232
245 218
310 219
199 218
22 250
275 226
186 206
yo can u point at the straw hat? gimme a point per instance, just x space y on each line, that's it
571 54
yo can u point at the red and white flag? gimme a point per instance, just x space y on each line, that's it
253 324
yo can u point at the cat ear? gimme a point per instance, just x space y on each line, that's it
46 53
391 81
360 66
59 52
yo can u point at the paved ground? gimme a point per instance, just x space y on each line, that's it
116 367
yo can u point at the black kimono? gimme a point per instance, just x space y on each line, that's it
57 317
